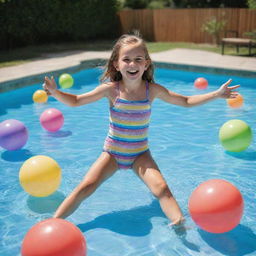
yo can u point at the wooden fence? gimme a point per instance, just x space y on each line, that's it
185 25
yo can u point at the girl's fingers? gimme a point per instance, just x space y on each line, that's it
228 82
49 81
46 78
234 87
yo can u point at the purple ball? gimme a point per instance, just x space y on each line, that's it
13 134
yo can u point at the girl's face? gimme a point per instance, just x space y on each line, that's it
131 62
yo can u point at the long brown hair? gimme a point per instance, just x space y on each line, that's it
110 71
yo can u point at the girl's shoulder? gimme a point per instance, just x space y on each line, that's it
155 89
110 89
109 85
156 86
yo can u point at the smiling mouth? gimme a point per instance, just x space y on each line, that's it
132 72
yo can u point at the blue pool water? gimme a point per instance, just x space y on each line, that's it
122 217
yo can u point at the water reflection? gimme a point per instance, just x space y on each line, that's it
47 204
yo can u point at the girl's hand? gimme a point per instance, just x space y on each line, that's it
49 85
227 92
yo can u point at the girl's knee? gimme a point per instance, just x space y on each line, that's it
85 187
161 189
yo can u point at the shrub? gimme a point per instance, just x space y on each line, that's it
214 27
251 4
136 4
26 22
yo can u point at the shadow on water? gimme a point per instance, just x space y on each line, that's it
16 155
249 155
135 222
59 134
190 245
181 232
238 242
47 204
132 222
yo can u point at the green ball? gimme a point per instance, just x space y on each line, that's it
66 81
235 135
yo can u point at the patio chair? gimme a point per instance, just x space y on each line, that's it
236 41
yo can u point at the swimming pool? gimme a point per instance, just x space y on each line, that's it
122 217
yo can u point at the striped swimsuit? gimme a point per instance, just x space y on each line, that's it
128 129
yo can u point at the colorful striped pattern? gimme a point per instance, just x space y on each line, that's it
128 130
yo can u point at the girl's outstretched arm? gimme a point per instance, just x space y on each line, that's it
225 91
71 99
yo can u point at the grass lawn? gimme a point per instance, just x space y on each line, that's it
26 54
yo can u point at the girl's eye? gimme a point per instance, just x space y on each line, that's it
126 60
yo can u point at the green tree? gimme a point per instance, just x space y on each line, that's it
159 4
214 28
143 4
210 3
251 4
136 4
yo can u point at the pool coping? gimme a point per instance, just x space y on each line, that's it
100 62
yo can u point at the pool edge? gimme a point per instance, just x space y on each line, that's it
99 62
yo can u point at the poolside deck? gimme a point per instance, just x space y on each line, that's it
197 58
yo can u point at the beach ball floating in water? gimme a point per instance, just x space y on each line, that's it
216 206
52 119
54 237
66 81
13 134
40 176
40 96
235 135
201 83
236 102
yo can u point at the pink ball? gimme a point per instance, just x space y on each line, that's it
51 119
201 83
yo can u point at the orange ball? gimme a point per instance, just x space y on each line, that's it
56 237
236 102
201 83
216 206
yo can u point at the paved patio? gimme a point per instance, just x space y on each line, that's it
53 62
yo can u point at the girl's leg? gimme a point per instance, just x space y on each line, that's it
102 169
148 171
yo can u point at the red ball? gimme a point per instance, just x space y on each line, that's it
201 83
216 206
54 237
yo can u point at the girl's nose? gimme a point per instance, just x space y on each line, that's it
132 63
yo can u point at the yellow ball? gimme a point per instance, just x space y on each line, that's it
40 176
40 96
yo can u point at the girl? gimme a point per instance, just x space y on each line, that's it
130 89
